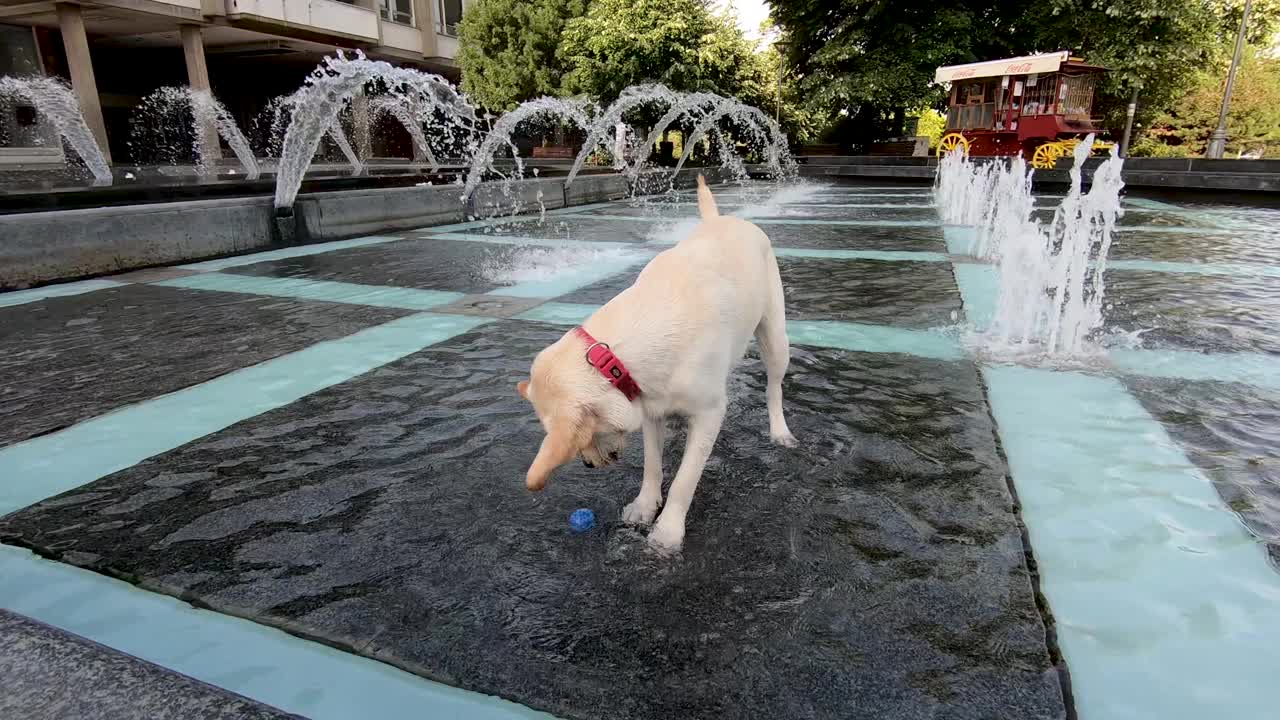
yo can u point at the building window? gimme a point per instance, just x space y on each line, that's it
397 11
450 16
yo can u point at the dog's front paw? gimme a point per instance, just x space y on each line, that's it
641 511
667 537
785 439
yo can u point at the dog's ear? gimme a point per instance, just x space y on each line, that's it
522 387
557 449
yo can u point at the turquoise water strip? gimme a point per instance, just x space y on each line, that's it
979 289
291 252
788 221
51 464
1152 204
327 290
887 255
1165 606
267 665
21 297
862 337
517 240
1170 229
1229 269
859 337
1259 369
569 280
959 238
557 313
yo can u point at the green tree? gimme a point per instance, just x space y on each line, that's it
1253 124
1153 49
679 43
865 62
509 50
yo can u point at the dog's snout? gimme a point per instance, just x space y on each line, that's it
588 463
613 456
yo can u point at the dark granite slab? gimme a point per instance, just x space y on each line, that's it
787 212
1140 217
903 294
425 264
1232 432
676 224
67 359
857 237
1213 313
877 571
1202 246
49 674
567 227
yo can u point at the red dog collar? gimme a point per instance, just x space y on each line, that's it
600 357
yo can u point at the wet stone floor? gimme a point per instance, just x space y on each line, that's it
352 467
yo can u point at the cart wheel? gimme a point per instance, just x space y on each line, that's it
950 142
1046 156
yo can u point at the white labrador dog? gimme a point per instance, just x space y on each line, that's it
662 347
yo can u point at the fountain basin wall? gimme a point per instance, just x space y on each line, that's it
37 248
44 247
1180 173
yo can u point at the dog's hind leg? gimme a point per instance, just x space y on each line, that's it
641 510
771 334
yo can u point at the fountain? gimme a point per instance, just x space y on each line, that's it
761 126
691 103
206 114
500 135
630 98
55 101
963 189
401 108
316 106
339 138
1050 276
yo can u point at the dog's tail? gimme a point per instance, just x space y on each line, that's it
706 203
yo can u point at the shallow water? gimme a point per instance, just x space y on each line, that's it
349 467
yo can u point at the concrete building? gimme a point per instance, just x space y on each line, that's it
115 52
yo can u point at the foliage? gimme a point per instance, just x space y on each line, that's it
931 124
509 50
1253 123
855 55
1147 146
679 43
861 61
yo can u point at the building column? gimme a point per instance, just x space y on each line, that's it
360 124
76 42
424 17
198 79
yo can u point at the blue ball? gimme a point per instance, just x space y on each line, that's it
582 520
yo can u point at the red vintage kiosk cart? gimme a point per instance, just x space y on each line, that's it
1038 105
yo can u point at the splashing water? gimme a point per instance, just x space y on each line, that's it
1051 285
55 101
611 118
688 104
402 109
328 90
516 265
168 105
573 110
963 189
761 127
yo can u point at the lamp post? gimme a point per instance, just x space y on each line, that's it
781 47
1218 139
